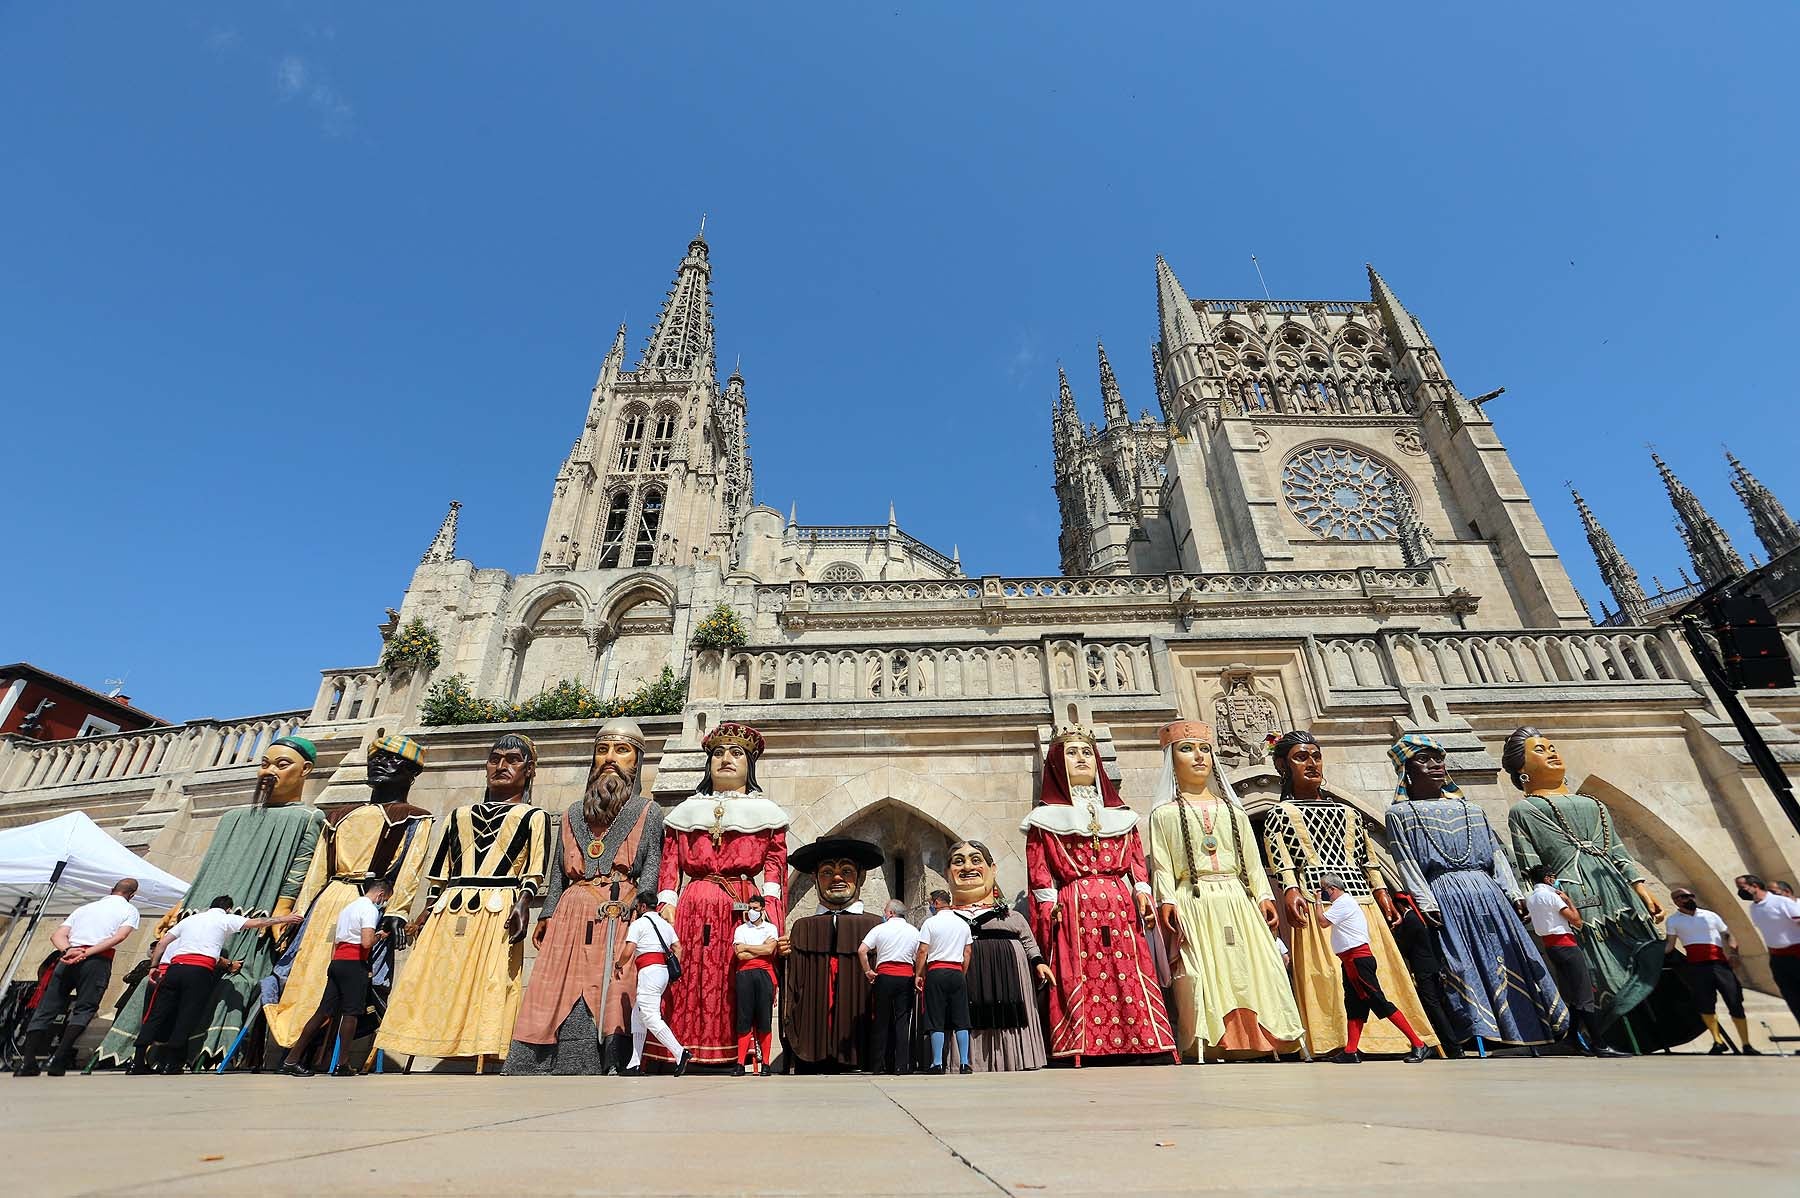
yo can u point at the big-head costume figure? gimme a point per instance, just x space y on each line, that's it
260 856
826 1008
576 1016
720 846
1006 966
1090 895
459 993
386 837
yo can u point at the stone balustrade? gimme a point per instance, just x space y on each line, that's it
348 694
925 672
1602 657
153 752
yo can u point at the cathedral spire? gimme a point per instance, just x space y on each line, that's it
1162 387
1714 558
1116 411
1174 311
443 546
1774 527
1402 325
1615 571
683 340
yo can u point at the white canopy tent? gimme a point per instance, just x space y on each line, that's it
53 867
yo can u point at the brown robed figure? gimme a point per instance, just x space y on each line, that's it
826 1012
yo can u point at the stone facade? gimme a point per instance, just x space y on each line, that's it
1322 531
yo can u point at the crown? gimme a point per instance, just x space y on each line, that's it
1185 730
1073 732
742 735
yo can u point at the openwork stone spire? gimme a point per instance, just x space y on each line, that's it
1615 571
1774 527
1714 558
1162 386
1402 325
1416 546
1174 311
683 340
443 546
1109 391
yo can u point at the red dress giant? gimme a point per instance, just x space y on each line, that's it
718 850
1085 863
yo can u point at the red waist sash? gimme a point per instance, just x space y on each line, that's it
762 963
956 965
105 952
1559 939
1703 952
646 960
1351 954
1786 950
894 969
347 952
194 959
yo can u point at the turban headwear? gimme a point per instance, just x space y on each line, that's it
401 746
1409 747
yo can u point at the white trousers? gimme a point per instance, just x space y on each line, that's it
646 1016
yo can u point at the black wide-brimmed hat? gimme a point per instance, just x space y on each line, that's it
836 848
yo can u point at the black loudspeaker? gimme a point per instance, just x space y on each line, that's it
1749 643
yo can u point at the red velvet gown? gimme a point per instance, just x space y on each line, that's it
1105 1000
704 879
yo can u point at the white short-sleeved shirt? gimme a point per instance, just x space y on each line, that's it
945 936
93 922
1774 918
203 934
751 933
642 933
1702 927
1349 926
359 915
893 941
1545 906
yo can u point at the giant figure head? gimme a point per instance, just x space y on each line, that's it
1420 770
282 773
394 762
1532 762
511 766
1301 764
1191 762
971 871
839 865
1074 760
612 779
732 751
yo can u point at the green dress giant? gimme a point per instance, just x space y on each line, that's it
259 856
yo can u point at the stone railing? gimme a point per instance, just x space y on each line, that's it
843 534
993 600
1606 657
348 694
151 753
925 672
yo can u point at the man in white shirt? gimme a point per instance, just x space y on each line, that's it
346 995
887 954
650 941
753 947
1349 928
1555 919
87 939
1777 920
938 971
1709 951
191 956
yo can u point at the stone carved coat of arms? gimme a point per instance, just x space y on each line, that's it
1244 718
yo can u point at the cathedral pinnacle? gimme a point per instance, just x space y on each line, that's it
1402 325
1175 311
1774 527
1109 390
443 546
1714 558
1615 571
683 339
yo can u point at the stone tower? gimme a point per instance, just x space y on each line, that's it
1108 482
1774 527
1326 435
1711 550
1615 571
660 475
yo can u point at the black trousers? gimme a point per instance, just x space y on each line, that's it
755 1000
1431 996
1708 982
890 1050
1787 979
946 1000
1362 991
85 980
1574 978
346 988
181 1001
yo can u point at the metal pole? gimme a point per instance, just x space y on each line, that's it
12 966
1754 744
13 923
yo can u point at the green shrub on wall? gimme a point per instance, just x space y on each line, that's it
723 628
414 647
451 701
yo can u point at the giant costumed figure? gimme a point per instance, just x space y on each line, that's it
607 846
1215 905
386 837
826 1009
1005 967
260 856
1452 864
720 846
1573 835
1090 895
458 995
1307 837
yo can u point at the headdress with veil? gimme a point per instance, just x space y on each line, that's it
1172 734
1055 790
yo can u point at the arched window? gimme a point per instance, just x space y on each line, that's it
648 523
663 439
612 542
631 439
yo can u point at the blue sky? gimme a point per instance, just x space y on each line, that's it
282 280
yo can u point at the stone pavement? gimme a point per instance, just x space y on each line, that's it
1668 1124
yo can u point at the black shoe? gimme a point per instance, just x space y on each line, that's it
681 1065
1750 1050
935 1069
1607 1050
737 1070
56 1068
343 1071
295 1070
1420 1052
1718 1050
632 1071
27 1068
966 1069
1343 1057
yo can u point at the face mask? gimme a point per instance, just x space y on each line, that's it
1745 895
754 916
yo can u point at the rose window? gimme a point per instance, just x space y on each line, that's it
1341 493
